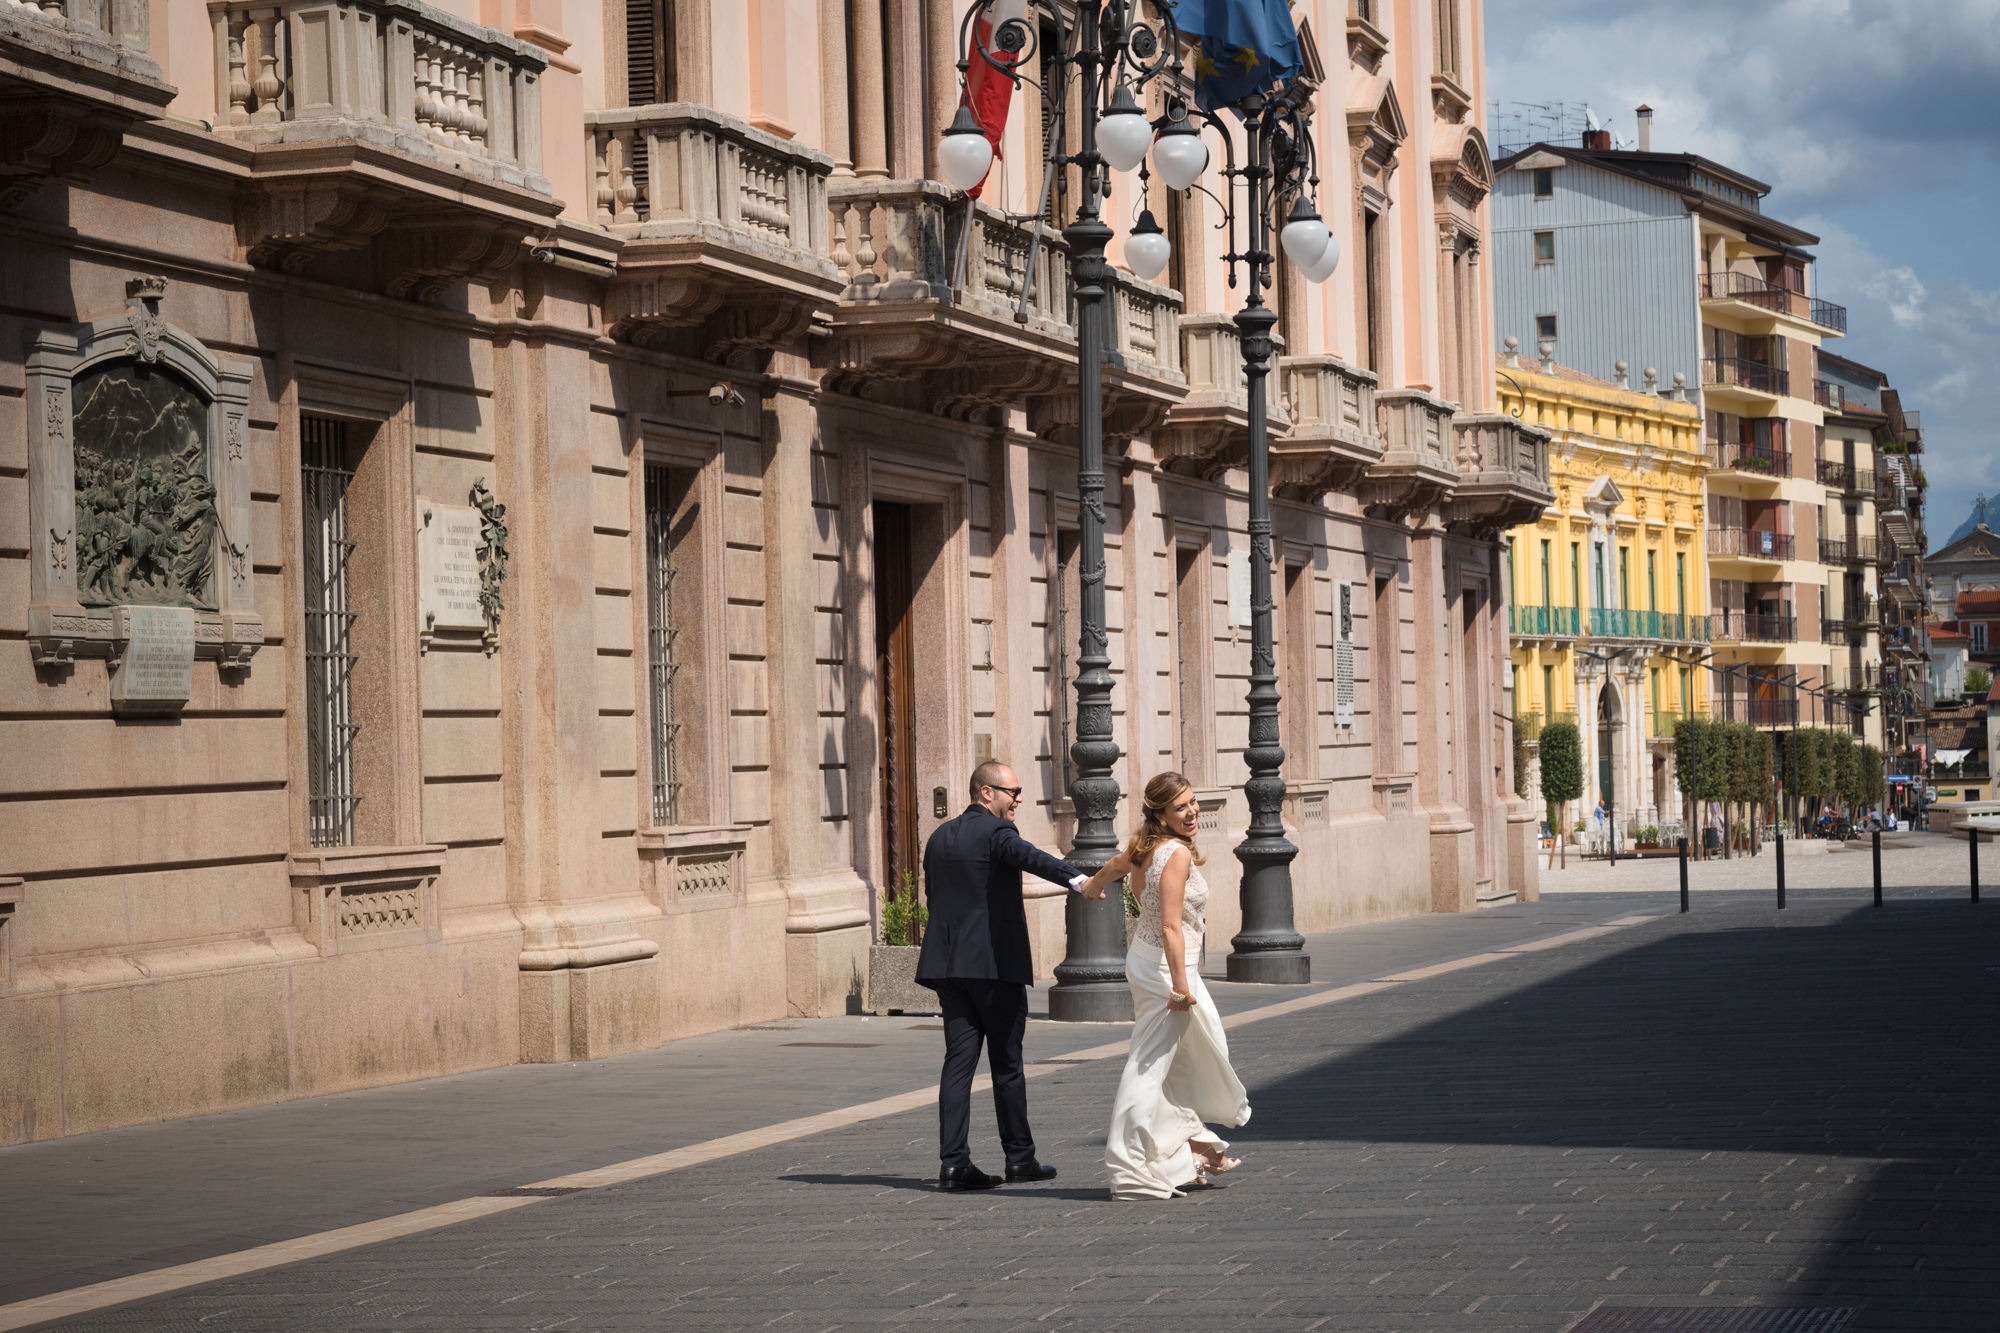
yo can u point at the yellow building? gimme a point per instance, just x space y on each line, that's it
1609 588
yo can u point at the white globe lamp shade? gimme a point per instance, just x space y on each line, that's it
1147 248
1304 236
1322 268
1180 156
964 153
1124 135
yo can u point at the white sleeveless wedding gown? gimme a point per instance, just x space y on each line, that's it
1177 1077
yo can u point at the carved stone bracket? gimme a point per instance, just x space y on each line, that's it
492 558
284 225
73 79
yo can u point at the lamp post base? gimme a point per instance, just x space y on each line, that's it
1271 969
1091 1002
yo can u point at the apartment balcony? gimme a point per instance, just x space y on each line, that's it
972 312
1847 551
725 230
1752 297
1503 472
1617 622
1333 440
1749 544
74 76
1846 632
1750 462
383 122
1843 476
1745 378
1742 627
1543 622
1208 431
1419 468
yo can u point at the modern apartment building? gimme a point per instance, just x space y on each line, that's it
515 523
1667 262
1609 585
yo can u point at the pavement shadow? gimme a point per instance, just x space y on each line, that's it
1871 1036
921 1186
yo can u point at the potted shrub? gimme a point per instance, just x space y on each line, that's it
892 964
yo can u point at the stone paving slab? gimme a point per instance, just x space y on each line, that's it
99 1206
1733 1107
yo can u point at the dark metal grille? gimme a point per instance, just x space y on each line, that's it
1711 1319
1066 569
662 666
329 625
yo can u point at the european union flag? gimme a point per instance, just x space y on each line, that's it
1244 47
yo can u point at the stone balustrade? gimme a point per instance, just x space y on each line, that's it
1208 431
123 24
901 241
1418 468
726 228
1503 467
1333 440
395 73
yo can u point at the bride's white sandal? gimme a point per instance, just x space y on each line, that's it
1204 1168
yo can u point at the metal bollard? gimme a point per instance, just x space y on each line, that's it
1684 874
1878 867
1781 872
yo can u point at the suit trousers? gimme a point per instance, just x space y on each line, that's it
994 1013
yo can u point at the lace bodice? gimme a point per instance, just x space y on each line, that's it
1194 902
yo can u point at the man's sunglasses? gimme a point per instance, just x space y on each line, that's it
1014 792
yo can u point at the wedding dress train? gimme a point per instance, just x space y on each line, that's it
1177 1078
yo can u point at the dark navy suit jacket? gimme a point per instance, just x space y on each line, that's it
978 928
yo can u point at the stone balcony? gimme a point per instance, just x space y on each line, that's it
1418 469
75 75
1208 431
964 311
1333 440
725 229
1503 472
386 123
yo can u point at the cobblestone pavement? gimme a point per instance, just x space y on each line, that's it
1731 1107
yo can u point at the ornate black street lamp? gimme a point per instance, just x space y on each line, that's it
1278 180
1114 56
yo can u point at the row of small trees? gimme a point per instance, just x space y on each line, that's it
1733 763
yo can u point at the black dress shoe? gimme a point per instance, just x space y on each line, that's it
955 1178
1032 1171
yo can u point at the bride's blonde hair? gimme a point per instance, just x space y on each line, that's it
1162 790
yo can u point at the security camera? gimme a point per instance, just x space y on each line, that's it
722 392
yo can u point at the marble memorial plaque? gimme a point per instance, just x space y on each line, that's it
450 573
156 668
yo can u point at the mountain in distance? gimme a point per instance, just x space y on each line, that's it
1978 515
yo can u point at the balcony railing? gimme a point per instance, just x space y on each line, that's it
1543 622
1839 472
395 71
1847 551
1783 300
1750 543
1827 394
1763 460
1845 632
1750 627
1744 373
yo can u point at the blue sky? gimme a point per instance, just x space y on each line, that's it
1877 125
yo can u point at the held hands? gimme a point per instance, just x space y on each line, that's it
1116 868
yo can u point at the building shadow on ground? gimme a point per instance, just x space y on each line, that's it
1873 1036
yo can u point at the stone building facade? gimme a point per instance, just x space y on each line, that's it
515 521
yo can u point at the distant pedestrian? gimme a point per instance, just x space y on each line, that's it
976 957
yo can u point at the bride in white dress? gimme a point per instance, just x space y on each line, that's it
1177 1077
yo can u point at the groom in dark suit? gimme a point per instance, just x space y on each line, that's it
976 957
